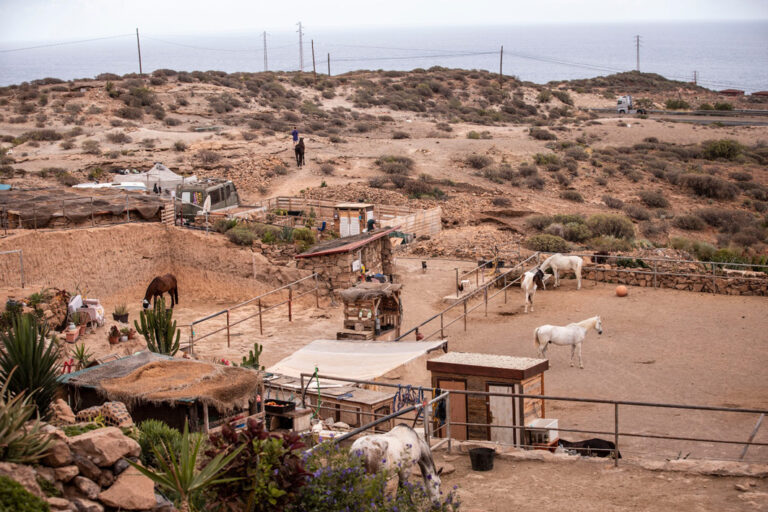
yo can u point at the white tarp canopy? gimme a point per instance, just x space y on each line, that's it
158 175
353 359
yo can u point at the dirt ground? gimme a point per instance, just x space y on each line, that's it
587 486
657 346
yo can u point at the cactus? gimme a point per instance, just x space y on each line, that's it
252 361
158 330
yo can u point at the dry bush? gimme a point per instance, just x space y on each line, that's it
91 147
613 202
392 164
637 212
208 157
327 169
689 222
478 161
709 186
605 224
118 137
740 176
542 134
654 199
572 195
400 135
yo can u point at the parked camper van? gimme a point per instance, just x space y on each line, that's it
223 196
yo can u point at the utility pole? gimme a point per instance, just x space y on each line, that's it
314 69
501 60
695 77
637 48
266 68
301 48
138 46
329 65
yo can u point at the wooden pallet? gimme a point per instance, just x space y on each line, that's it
351 334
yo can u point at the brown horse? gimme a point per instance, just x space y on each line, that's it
159 286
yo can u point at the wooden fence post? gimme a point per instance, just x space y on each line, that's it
261 325
290 302
227 328
616 434
465 315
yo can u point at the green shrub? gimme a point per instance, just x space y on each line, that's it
397 165
400 135
546 243
565 218
481 135
21 438
542 134
576 232
723 105
546 158
730 221
706 106
269 237
241 235
609 244
713 187
654 199
677 105
545 96
155 432
723 148
572 195
699 250
224 225
606 224
613 202
539 222
15 498
479 161
29 363
563 96
689 222
637 212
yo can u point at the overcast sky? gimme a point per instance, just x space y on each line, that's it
58 20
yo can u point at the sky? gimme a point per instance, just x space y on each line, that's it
61 20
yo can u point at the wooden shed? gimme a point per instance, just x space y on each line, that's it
352 218
347 403
371 310
496 374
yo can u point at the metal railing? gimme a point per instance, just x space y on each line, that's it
503 281
21 262
616 433
261 310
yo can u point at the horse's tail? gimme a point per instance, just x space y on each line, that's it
536 337
176 293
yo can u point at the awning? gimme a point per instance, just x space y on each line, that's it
353 359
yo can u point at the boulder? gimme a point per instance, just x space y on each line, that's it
62 412
131 491
120 466
65 473
60 453
87 487
104 446
60 504
163 504
107 478
24 475
84 505
86 467
46 473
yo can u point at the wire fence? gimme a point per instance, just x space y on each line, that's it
263 308
444 427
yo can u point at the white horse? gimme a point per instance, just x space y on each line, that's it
532 280
558 262
571 334
398 450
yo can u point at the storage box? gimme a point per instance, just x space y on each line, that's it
542 431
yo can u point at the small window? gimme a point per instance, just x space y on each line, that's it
215 196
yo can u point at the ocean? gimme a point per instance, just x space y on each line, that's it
723 55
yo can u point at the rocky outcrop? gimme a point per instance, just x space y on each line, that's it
131 491
24 475
104 446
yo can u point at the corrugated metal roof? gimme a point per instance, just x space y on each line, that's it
346 244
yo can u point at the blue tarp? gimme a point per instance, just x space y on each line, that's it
3 186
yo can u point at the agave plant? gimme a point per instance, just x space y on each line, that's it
181 474
20 442
35 360
82 356
158 330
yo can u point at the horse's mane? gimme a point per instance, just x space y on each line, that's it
587 322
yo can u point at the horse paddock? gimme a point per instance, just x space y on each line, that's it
658 345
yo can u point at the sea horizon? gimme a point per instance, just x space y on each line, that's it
723 55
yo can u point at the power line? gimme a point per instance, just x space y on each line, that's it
65 43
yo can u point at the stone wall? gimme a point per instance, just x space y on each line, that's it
732 284
377 256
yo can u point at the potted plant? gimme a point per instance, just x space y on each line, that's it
121 313
124 331
132 333
114 335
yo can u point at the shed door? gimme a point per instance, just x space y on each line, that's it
458 407
502 409
343 225
354 223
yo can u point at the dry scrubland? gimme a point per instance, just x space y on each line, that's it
523 166
500 161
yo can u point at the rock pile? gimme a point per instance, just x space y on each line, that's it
89 473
